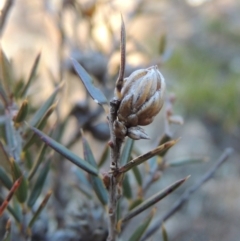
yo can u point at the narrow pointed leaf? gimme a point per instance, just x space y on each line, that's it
127 190
22 113
10 134
33 138
13 137
22 191
11 211
154 199
27 158
165 138
31 76
59 130
97 183
39 184
13 189
5 72
94 92
45 106
65 152
3 95
104 156
19 85
126 152
17 208
186 161
137 175
140 159
5 179
136 236
4 159
40 208
37 161
164 233
135 203
82 178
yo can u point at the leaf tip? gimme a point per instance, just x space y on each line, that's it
186 178
97 101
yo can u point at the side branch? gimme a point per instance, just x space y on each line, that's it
186 195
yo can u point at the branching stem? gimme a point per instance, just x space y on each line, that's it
186 195
115 144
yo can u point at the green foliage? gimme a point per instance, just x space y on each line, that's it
205 87
137 234
97 183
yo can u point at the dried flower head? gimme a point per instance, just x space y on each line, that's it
141 98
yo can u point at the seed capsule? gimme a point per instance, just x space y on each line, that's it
141 97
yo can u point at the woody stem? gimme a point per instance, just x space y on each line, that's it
114 195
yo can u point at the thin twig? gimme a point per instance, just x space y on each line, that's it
119 82
186 195
115 144
4 13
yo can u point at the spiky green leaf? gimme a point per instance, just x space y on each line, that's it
127 190
6 73
126 152
4 159
153 199
66 153
33 137
38 185
45 106
40 208
22 113
94 92
185 161
135 203
22 191
97 183
137 175
164 233
136 236
5 179
37 161
31 76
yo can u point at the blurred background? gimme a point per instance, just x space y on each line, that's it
195 43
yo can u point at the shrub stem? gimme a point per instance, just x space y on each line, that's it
114 195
